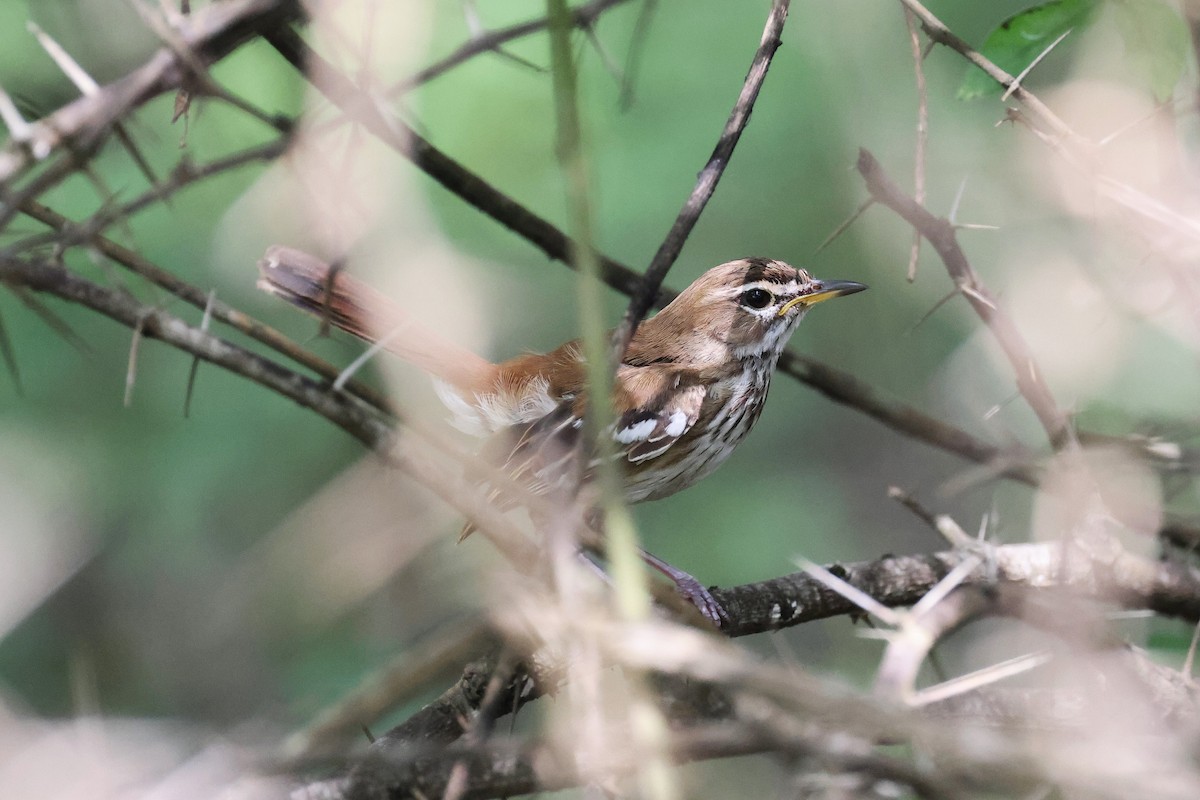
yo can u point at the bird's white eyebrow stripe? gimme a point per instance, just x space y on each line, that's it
789 288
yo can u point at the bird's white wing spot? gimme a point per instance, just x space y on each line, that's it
677 424
637 431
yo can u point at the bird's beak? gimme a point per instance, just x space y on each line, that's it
826 290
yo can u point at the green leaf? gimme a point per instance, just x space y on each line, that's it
1156 42
1021 38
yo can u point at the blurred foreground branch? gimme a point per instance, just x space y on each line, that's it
1039 583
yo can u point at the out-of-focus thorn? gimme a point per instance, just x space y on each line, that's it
612 67
912 504
140 160
18 129
107 197
852 593
183 102
958 196
952 532
980 678
375 349
205 322
914 255
70 67
840 229
975 294
1012 87
131 368
52 320
1190 661
946 585
924 317
88 87
475 30
633 56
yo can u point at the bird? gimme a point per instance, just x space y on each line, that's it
688 389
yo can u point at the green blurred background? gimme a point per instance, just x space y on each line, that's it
171 536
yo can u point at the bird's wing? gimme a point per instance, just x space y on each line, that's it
660 407
658 419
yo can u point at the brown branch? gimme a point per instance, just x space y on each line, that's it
941 234
642 299
1130 581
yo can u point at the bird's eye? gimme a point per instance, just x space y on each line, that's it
756 298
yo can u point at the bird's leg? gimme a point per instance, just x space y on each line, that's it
685 584
691 589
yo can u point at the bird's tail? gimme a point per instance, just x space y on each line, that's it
345 302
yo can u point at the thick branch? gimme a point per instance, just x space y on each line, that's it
1125 579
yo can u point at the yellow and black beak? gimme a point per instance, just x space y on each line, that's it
823 291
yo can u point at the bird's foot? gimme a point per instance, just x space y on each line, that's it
695 593
691 590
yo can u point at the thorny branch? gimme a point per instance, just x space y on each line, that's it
80 126
940 233
1120 579
1076 150
1033 582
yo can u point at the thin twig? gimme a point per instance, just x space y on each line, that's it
642 299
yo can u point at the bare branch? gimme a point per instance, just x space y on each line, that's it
642 299
941 234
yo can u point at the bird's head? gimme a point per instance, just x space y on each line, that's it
751 305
